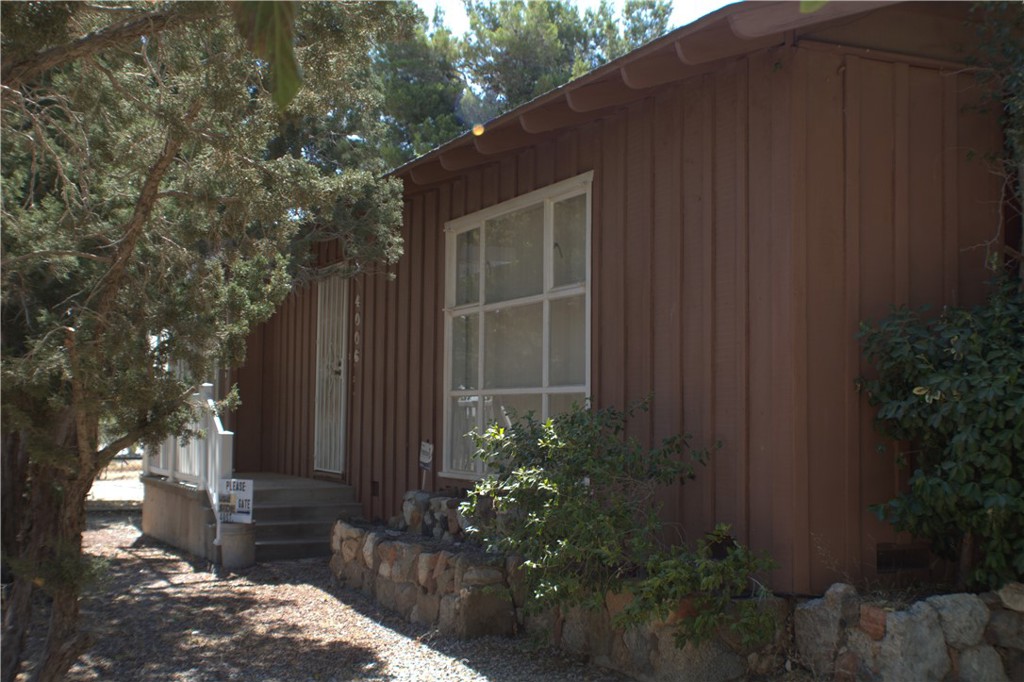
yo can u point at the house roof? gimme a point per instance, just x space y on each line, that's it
691 50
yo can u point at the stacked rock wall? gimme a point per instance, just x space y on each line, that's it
416 569
461 592
467 593
947 637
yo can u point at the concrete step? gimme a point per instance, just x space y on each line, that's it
285 530
293 516
284 511
300 495
294 548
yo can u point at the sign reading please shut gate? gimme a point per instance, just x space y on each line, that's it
236 500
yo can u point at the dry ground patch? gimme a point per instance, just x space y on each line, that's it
159 614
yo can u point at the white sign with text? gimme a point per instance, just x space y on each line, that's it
236 500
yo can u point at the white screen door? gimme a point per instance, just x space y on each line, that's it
331 375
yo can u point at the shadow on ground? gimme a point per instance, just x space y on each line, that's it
161 614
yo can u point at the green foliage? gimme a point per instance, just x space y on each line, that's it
952 385
422 90
269 30
435 85
643 21
706 580
66 568
574 496
518 50
1001 70
106 278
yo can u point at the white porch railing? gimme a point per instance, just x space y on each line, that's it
201 461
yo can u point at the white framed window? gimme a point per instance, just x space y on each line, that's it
517 314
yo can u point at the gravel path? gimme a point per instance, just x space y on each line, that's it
164 615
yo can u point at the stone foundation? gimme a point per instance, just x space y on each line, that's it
467 593
461 592
947 637
431 516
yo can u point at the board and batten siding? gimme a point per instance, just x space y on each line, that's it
744 223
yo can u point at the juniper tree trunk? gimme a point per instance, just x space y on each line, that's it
17 618
50 556
18 605
64 640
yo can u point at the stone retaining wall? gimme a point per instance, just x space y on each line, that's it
461 592
947 637
467 593
416 569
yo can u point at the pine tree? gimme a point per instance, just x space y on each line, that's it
421 90
435 86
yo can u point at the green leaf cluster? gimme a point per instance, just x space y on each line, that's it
708 580
952 386
1000 69
575 498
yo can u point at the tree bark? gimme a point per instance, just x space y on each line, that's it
14 459
17 619
18 605
64 641
54 522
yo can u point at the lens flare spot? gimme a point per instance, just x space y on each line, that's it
478 129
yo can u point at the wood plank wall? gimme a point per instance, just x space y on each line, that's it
744 223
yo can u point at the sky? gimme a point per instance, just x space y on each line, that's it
683 11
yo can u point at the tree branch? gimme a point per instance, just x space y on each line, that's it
133 436
106 290
15 74
213 201
43 255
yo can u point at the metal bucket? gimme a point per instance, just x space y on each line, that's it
237 545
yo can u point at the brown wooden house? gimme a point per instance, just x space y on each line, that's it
707 220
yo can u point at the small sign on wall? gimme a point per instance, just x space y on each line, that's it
426 455
236 500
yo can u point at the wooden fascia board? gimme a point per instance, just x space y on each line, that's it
760 20
730 32
607 93
551 117
429 174
720 42
460 158
506 138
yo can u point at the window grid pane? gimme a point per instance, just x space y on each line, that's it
465 345
467 267
539 253
514 255
569 250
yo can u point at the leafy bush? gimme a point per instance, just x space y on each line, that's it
719 570
575 498
952 386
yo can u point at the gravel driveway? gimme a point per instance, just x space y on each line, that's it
164 615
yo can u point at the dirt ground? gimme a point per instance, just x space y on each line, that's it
160 614
122 470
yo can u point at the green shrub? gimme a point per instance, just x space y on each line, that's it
952 386
709 579
574 497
